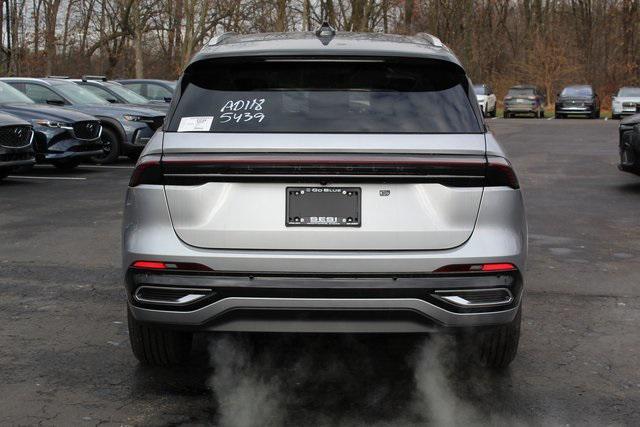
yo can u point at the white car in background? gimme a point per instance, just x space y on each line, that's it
626 102
486 99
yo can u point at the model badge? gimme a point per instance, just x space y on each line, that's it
385 193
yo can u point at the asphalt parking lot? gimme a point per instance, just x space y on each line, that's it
65 355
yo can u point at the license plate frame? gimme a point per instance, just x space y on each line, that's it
323 207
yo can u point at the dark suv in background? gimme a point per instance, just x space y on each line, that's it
578 100
153 89
16 136
62 137
125 129
524 99
116 93
629 143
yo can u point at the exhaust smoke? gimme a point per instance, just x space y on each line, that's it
348 380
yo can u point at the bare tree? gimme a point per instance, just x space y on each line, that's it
545 42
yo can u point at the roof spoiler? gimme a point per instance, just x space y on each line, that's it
433 40
222 37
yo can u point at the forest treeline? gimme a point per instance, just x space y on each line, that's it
502 42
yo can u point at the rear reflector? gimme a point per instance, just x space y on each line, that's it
151 265
170 266
498 267
472 268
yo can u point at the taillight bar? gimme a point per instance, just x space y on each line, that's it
147 171
315 167
195 169
500 173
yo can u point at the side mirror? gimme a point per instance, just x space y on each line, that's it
558 94
55 102
112 100
167 99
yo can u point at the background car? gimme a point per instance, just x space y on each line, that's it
62 137
629 144
153 89
486 99
524 99
578 100
625 102
116 93
16 136
125 129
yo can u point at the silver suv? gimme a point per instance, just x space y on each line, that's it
324 182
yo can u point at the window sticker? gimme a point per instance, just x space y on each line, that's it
242 111
195 124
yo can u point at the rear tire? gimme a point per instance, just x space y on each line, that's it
4 173
156 346
497 347
505 115
110 145
558 116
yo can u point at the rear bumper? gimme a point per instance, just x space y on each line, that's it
336 316
325 304
521 109
325 290
625 112
575 110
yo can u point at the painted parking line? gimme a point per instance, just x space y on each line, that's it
61 178
105 167
550 118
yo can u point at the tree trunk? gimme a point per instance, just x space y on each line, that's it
281 16
51 18
408 16
306 16
138 53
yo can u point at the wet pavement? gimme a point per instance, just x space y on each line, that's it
65 356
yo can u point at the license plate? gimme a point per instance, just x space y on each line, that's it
323 207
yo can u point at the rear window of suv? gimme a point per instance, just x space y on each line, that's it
322 95
521 92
